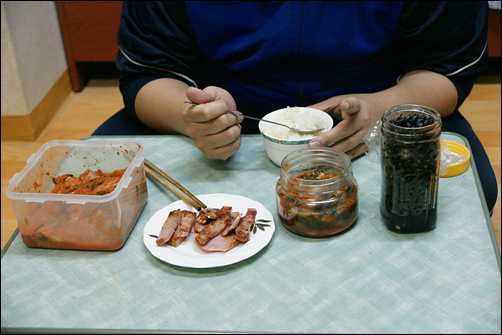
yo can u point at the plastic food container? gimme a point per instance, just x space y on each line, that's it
457 169
317 192
76 221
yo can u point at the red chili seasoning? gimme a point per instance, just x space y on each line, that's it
320 200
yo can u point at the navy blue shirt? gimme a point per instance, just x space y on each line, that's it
269 55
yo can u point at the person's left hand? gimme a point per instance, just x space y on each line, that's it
358 113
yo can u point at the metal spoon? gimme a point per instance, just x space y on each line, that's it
296 130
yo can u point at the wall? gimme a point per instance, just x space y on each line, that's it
33 57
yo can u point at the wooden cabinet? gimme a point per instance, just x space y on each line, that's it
494 33
89 31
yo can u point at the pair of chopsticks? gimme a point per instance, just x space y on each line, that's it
155 173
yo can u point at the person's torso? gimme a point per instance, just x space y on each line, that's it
296 53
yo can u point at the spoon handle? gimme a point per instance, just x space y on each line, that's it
257 119
249 117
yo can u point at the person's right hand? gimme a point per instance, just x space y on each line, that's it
214 131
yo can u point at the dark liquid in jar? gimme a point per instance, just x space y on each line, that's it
410 179
406 208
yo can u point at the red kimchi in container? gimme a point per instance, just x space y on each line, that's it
84 195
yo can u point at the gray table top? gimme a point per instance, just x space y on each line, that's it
367 280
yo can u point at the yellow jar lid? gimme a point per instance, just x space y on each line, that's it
457 169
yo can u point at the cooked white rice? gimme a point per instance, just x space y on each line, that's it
296 118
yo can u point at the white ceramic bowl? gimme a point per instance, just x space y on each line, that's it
278 148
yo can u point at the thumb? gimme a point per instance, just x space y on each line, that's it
326 105
330 106
198 96
350 105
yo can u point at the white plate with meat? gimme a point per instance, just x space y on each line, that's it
189 254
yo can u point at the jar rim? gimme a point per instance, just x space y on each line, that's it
410 131
309 158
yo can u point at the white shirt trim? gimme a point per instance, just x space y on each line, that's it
156 68
459 70
468 65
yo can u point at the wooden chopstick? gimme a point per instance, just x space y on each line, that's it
171 188
154 172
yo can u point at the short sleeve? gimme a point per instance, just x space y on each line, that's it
155 40
447 37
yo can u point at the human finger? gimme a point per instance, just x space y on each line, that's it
218 124
345 136
198 96
328 105
357 151
350 143
205 112
220 145
350 105
218 93
338 134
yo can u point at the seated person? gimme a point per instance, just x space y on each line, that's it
353 60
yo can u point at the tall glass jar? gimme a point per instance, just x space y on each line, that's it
317 192
410 168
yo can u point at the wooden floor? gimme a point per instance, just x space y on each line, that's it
85 111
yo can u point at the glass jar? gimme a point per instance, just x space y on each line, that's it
410 168
317 192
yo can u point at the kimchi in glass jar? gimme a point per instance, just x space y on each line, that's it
317 192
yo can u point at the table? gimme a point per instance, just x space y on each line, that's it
367 280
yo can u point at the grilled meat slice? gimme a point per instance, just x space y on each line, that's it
169 227
205 216
244 228
221 243
184 227
215 227
236 218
